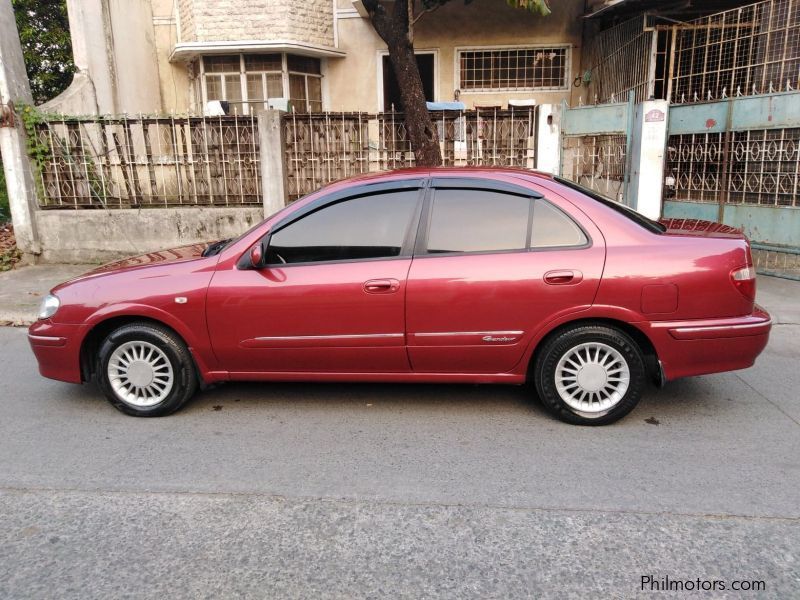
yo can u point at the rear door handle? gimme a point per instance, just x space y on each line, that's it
381 286
563 277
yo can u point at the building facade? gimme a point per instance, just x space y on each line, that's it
176 56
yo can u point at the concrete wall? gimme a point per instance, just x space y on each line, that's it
114 50
73 236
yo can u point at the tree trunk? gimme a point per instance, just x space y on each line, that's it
394 30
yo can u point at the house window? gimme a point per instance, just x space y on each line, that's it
222 75
305 82
514 69
247 81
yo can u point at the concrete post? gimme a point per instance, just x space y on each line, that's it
273 164
646 185
548 138
15 89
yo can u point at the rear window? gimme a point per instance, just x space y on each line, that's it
639 219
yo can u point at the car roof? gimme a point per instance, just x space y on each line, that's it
487 172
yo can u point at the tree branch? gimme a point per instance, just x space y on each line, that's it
378 16
425 12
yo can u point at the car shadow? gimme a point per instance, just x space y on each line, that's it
677 399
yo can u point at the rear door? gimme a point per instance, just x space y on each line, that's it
493 264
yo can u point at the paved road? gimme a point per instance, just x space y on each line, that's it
341 491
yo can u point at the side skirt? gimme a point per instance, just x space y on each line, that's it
502 378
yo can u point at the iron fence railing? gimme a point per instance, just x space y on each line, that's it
739 167
123 162
325 147
597 162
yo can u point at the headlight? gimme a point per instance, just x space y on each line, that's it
49 306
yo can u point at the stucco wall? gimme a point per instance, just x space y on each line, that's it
70 236
353 82
310 21
115 55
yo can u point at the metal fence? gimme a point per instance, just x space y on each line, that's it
619 60
749 50
325 147
148 162
597 162
751 166
753 49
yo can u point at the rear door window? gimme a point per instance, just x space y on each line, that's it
464 220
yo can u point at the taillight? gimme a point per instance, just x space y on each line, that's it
744 280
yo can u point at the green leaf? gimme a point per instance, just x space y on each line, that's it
46 45
540 7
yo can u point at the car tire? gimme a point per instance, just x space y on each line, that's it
145 370
590 374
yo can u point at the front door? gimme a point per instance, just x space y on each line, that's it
491 270
332 298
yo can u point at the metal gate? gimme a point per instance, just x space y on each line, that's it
596 146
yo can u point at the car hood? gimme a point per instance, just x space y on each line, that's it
700 228
161 257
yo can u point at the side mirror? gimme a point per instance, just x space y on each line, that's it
258 255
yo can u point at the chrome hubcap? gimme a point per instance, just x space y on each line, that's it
140 374
592 377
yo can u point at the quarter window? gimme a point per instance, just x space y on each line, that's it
478 221
362 228
551 227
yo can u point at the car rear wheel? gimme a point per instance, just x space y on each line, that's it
145 370
590 375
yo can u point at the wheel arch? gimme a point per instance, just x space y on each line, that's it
644 343
90 344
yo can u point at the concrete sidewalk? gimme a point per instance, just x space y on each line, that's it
21 291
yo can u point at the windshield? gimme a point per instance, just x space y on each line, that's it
626 211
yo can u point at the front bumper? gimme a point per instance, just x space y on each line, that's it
57 347
699 347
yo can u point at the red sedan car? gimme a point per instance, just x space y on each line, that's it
425 275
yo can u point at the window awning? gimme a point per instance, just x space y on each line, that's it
186 51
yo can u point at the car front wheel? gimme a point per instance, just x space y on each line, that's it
145 370
590 375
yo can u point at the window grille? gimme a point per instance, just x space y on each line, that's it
514 69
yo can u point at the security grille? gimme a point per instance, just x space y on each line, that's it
514 69
749 50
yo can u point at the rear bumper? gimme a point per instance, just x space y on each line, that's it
698 347
57 348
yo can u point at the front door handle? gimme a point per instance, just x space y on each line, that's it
381 286
563 277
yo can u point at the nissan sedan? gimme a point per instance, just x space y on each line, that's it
428 275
